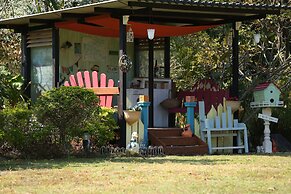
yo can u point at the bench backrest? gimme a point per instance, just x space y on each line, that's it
101 87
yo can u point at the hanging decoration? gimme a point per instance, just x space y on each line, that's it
129 35
124 63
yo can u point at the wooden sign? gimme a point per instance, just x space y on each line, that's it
268 118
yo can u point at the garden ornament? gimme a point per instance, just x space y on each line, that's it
187 131
124 63
133 148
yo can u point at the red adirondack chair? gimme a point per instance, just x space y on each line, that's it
104 89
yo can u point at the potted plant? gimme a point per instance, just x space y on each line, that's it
233 102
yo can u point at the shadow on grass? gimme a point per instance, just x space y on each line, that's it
15 165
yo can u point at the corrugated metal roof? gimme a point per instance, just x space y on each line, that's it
221 4
208 11
56 14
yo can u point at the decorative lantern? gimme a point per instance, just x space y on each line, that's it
124 63
129 35
151 34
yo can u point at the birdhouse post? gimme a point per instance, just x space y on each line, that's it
266 96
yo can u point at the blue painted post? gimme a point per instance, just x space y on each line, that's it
190 114
145 119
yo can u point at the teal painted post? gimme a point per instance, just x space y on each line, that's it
145 119
190 114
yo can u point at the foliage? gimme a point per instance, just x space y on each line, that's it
199 56
20 131
10 50
59 116
48 5
67 110
208 55
102 128
284 115
10 88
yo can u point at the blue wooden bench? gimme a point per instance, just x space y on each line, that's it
226 126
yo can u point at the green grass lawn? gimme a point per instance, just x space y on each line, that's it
170 174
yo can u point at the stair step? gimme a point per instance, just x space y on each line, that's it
175 144
165 132
186 150
178 140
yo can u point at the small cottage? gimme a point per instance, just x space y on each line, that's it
94 37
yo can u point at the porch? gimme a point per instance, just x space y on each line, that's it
93 37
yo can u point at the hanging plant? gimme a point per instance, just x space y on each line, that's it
124 63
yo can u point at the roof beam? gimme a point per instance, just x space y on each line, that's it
83 21
40 27
77 15
147 12
9 26
44 21
192 20
204 8
210 17
101 10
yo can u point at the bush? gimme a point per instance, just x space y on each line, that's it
48 128
71 111
20 132
10 88
102 128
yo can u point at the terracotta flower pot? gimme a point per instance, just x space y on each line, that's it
131 116
234 104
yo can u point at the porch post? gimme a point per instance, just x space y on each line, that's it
167 57
151 82
56 55
122 83
235 61
26 64
235 66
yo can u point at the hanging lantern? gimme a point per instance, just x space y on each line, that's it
129 35
151 33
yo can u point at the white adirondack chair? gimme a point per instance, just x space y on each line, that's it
222 125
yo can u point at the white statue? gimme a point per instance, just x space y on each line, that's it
133 147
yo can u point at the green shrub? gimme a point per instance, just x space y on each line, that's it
10 88
20 131
71 111
102 128
67 110
59 116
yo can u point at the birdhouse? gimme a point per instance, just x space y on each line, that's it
267 93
